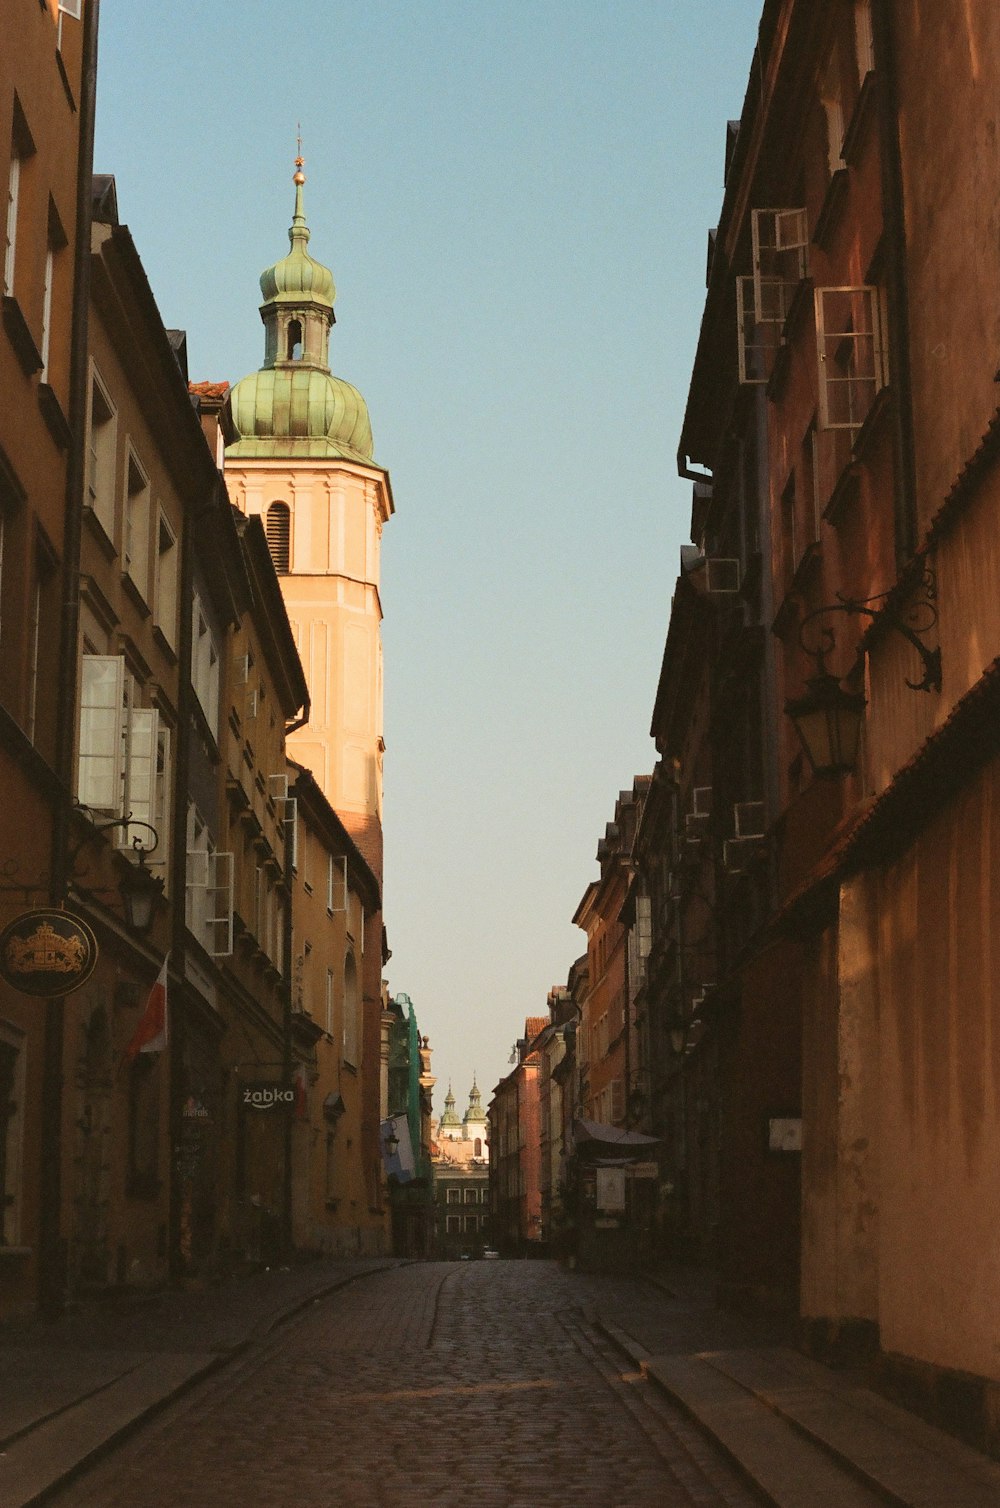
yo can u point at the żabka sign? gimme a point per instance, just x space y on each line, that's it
268 1097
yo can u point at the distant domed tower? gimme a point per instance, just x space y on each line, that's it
301 458
474 1123
450 1127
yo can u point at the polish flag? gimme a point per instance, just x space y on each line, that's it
151 1033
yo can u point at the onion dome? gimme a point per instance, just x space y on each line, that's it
449 1118
294 406
298 277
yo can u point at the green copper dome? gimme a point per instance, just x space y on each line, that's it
294 406
305 411
449 1118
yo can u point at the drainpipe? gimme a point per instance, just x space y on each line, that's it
897 287
51 1246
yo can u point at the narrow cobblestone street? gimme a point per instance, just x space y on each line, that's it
453 1383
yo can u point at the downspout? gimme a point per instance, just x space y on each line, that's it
897 286
286 1032
51 1248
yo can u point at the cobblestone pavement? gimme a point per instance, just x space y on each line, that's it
451 1383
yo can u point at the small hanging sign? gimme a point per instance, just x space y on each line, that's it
47 953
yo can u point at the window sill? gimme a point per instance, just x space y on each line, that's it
164 645
861 117
843 496
135 594
20 336
99 532
867 435
70 96
832 208
53 415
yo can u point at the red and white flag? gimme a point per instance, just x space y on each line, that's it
151 1033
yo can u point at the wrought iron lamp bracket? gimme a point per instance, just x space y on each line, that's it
919 619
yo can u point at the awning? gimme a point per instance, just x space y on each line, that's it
614 1136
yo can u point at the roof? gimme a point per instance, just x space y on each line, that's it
533 1025
213 390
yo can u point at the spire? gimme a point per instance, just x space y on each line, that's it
475 1110
449 1118
293 405
299 230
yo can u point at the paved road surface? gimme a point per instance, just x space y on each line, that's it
462 1385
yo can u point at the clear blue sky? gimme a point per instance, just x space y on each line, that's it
514 197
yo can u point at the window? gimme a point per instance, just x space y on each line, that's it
471 1225
102 440
454 1224
167 565
330 1182
329 1002
477 1148
308 842
22 147
42 647
780 242
50 262
294 340
11 1124
137 513
470 1196
336 884
205 666
851 360
831 98
352 1004
124 760
454 1196
209 892
306 996
279 530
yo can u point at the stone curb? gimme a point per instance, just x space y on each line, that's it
51 1463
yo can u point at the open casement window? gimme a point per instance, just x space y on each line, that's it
209 907
124 762
780 261
336 884
851 354
205 665
102 442
757 340
166 588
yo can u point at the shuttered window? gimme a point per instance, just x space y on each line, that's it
279 534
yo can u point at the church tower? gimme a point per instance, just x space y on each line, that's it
302 458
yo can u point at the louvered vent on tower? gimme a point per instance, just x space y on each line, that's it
279 530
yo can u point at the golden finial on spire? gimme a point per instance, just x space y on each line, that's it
299 176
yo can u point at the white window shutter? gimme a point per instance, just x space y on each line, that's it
339 884
140 779
850 354
292 823
220 898
99 770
